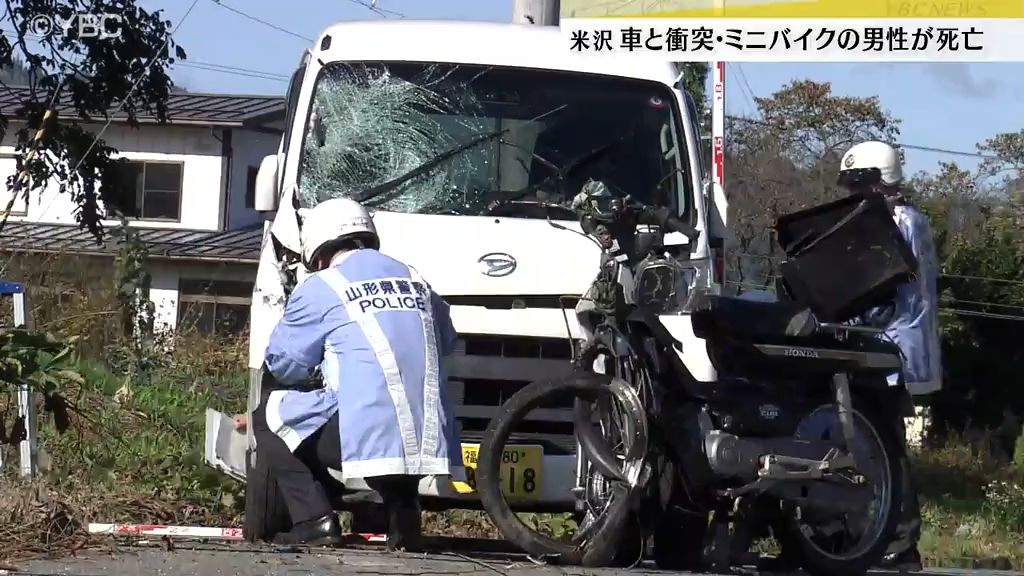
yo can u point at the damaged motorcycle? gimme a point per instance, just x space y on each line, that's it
798 438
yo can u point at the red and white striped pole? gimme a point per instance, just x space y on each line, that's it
190 532
718 124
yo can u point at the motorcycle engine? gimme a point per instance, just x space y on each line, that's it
754 416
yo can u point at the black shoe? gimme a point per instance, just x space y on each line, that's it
404 529
907 561
323 531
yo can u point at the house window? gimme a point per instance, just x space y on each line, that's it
149 190
250 187
214 306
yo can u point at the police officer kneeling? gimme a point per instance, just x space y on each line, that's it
378 333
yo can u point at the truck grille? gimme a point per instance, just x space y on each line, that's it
486 370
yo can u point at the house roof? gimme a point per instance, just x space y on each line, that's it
231 110
241 245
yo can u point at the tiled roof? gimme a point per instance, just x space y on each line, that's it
241 245
182 108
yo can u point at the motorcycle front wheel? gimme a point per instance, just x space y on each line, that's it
597 543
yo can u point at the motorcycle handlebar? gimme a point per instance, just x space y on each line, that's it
661 216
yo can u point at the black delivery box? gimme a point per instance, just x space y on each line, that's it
844 257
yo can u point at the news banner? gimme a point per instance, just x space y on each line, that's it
803 31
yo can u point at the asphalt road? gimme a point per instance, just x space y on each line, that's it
230 561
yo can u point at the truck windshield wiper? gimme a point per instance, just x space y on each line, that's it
434 162
426 166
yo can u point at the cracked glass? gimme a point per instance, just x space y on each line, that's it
487 140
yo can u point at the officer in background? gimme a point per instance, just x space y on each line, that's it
911 320
378 334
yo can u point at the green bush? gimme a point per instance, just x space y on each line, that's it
1004 500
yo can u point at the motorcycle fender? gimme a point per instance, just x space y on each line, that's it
894 402
893 399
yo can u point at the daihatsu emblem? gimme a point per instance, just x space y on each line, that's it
497 264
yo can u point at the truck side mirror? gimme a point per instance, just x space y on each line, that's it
266 185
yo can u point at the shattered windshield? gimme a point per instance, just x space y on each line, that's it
484 140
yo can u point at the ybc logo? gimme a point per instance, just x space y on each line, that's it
102 26
497 264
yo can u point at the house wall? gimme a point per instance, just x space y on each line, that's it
167 274
249 148
195 147
200 150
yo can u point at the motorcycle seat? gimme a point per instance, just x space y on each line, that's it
714 315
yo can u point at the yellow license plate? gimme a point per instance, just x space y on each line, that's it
520 471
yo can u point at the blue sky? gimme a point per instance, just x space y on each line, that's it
943 105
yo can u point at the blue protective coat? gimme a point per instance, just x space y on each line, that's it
915 322
379 333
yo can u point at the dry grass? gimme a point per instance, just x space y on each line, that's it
134 452
41 521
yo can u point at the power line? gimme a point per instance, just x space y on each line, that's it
985 278
208 67
778 259
205 66
372 6
978 303
238 69
262 21
976 314
942 309
902 145
745 87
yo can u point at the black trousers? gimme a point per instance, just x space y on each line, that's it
303 477
908 532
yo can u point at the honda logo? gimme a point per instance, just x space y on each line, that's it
497 264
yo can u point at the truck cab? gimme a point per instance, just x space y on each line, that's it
467 141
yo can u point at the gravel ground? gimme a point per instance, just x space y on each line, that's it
244 561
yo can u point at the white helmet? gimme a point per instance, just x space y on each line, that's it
332 220
872 155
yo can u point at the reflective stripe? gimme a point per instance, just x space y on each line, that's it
330 365
385 357
276 424
431 386
389 466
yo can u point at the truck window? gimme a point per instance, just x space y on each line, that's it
521 142
695 126
292 104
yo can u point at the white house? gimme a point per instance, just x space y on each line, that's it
195 179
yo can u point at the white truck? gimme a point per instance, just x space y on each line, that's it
467 140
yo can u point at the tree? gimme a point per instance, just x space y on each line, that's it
89 77
977 229
694 80
788 160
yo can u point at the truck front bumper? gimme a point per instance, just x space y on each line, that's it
226 449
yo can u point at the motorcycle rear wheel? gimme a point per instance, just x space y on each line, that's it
811 555
599 545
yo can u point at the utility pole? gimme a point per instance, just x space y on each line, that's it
539 12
